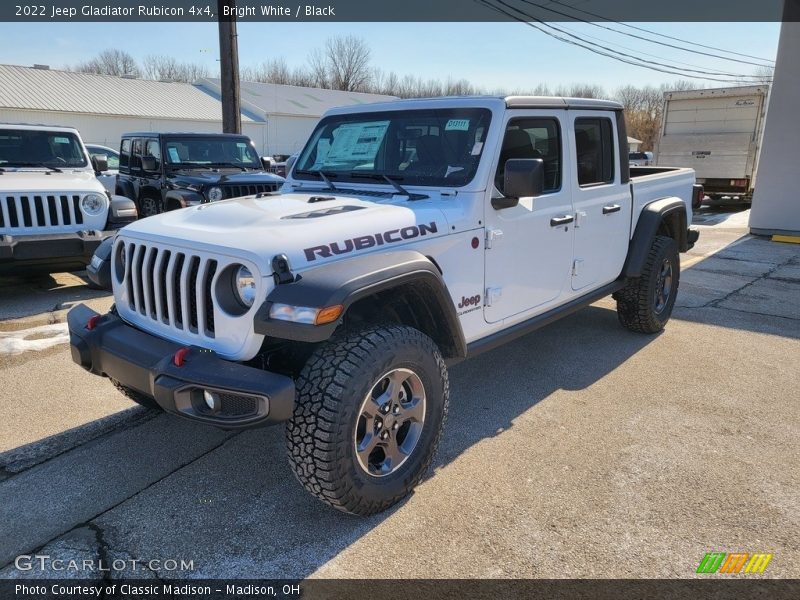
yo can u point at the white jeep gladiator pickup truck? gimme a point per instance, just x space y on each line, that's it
53 210
409 235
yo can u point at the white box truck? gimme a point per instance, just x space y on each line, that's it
717 133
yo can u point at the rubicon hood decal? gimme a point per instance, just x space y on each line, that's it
369 241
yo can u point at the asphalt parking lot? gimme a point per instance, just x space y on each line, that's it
582 450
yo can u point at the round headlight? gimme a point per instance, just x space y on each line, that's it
93 204
215 194
244 284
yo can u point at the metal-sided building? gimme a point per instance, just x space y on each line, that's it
278 118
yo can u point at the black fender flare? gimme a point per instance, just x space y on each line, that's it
347 281
125 188
653 215
182 197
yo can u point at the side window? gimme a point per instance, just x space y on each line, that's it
533 137
124 155
136 155
153 149
594 146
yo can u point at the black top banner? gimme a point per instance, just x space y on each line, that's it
401 10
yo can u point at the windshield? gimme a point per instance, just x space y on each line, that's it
440 147
32 148
212 152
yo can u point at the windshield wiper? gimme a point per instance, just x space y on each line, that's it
35 164
326 177
392 180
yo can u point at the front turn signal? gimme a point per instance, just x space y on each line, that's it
329 314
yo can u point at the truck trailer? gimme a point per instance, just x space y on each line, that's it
716 132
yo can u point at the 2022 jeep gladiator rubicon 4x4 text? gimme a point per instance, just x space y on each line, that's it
53 210
410 235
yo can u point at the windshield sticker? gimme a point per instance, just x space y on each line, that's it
476 149
357 141
451 170
173 154
60 140
323 148
457 125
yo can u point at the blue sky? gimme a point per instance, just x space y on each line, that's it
493 55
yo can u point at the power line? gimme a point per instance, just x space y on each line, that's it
611 53
663 35
672 60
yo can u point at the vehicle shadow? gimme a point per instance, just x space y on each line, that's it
24 296
238 511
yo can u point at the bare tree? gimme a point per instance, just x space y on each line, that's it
763 75
580 90
110 62
166 68
348 63
343 64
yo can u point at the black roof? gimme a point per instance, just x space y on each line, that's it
153 134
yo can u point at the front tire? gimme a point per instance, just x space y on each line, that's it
369 414
645 303
150 207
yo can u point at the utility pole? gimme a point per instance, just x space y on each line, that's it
229 67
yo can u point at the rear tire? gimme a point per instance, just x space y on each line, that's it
137 397
645 303
369 414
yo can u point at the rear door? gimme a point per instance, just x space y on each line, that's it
602 203
529 246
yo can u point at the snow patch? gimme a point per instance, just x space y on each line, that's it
46 336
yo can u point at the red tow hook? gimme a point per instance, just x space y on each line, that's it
92 322
180 357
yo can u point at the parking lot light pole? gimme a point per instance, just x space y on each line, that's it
229 67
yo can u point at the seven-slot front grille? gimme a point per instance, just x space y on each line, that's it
171 287
235 191
39 211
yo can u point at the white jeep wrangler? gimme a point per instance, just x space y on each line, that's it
53 210
409 235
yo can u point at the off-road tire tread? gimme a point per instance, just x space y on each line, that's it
634 305
314 446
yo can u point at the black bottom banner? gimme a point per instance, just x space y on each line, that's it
391 589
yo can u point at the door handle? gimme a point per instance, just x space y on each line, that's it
559 221
607 210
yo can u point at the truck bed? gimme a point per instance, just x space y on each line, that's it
654 183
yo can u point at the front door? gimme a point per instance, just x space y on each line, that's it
529 246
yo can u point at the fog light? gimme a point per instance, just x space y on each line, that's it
212 400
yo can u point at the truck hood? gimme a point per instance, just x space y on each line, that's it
309 229
220 177
50 181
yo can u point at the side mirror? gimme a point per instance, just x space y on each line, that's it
149 163
266 163
523 178
100 163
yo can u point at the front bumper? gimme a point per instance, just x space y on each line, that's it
692 235
248 397
50 251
